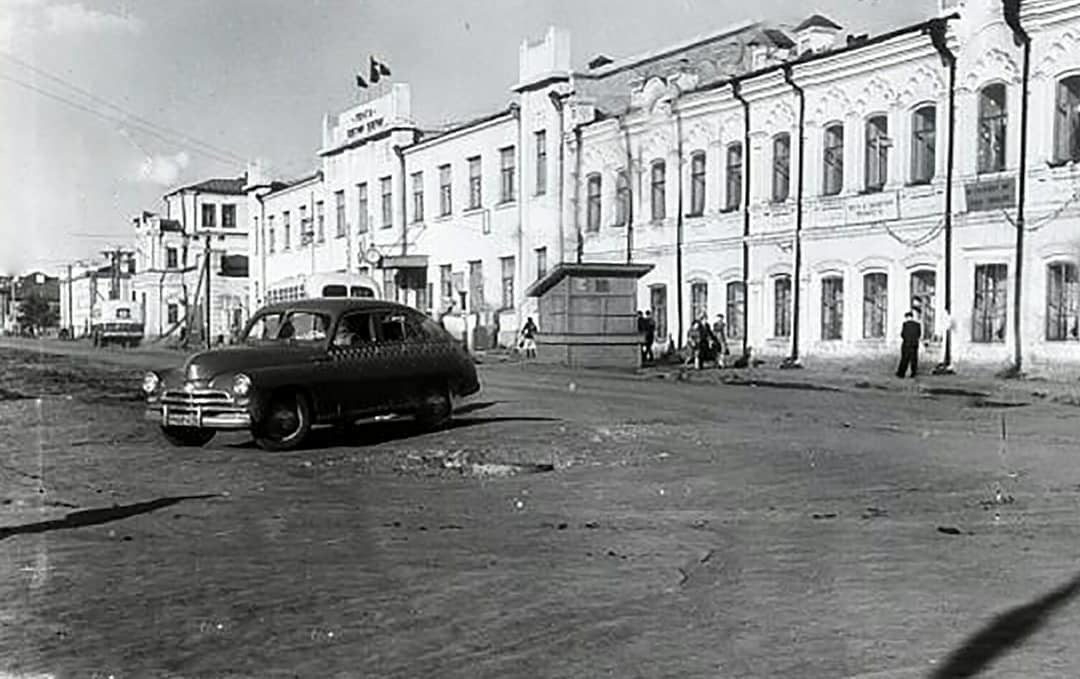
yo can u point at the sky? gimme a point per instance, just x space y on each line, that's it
107 104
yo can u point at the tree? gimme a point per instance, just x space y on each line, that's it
36 313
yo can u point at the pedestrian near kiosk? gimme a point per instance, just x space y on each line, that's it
528 338
650 336
910 334
720 332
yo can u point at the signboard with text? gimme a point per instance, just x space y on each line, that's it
993 194
873 207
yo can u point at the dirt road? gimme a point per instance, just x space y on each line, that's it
654 529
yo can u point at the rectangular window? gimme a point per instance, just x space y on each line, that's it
592 203
506 174
877 153
622 198
832 308
306 232
658 305
782 306
659 194
271 241
362 213
540 139
387 191
833 175
209 215
507 282
172 259
228 216
1067 120
475 197
993 119
541 262
446 204
1062 302
733 174
781 187
699 301
923 133
875 305
476 285
320 221
923 290
991 296
339 213
697 184
418 196
286 226
446 281
736 304
390 286
173 313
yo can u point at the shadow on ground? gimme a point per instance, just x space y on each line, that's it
96 517
1005 632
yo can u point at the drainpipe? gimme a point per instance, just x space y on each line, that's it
577 193
792 361
404 201
557 102
678 221
1011 11
262 249
938 29
736 91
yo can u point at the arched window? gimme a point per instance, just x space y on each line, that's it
736 305
1067 120
782 306
877 152
993 119
699 301
923 292
697 183
733 198
622 198
923 132
781 186
875 304
833 171
832 308
592 202
659 194
1062 302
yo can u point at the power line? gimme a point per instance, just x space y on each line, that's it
105 102
214 155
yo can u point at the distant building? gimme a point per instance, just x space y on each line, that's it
21 288
87 288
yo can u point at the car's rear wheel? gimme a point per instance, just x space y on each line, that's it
435 408
285 424
188 437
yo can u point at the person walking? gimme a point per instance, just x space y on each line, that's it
528 338
694 340
910 334
641 333
720 332
650 336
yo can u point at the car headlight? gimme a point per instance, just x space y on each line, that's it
241 385
150 382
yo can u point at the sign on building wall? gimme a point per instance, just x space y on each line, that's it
874 207
993 194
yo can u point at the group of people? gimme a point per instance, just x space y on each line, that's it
708 344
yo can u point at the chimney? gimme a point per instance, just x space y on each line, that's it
816 34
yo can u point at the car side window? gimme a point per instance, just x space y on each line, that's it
432 330
354 330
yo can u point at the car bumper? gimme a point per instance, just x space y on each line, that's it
204 409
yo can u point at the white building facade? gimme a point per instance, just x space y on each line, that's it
797 183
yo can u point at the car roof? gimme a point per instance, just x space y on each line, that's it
335 305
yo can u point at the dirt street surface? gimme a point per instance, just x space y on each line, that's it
568 525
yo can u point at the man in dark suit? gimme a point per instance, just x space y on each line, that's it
910 335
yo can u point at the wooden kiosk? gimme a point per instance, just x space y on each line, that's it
588 315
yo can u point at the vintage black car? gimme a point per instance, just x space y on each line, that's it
312 362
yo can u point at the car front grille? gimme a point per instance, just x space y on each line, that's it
197 398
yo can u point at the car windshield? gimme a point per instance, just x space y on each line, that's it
291 326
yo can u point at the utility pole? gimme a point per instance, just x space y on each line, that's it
115 257
70 305
206 264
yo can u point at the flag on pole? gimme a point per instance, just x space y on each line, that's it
377 70
360 82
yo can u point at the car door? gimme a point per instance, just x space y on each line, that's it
401 357
354 361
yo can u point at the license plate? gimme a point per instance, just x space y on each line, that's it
182 420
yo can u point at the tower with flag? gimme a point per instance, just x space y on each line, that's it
369 83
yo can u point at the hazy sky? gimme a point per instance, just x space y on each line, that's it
252 78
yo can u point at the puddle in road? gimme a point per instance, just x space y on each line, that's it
472 463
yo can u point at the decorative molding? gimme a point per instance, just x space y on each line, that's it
876 95
925 84
994 64
1065 50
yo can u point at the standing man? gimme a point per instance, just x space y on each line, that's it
528 338
650 335
720 332
910 335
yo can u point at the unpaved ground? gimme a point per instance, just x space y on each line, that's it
685 530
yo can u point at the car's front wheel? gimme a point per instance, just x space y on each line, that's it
285 424
435 408
188 437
